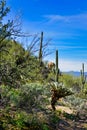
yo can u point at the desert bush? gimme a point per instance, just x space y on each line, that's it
85 89
32 95
72 82
3 94
76 102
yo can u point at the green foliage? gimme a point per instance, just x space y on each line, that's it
31 96
71 82
45 127
12 120
28 97
17 66
85 89
54 118
8 29
68 80
69 116
4 28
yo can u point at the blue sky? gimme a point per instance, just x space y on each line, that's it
64 21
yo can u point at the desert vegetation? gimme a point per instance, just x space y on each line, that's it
32 96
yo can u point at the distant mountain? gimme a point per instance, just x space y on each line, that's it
74 73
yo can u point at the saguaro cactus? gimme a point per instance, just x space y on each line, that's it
83 79
40 51
58 91
57 66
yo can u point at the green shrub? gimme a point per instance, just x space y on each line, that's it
32 95
76 102
72 82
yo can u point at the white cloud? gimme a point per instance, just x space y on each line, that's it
68 65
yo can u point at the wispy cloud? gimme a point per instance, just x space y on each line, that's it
55 18
66 18
78 20
58 26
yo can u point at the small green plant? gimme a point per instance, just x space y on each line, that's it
69 116
54 118
45 127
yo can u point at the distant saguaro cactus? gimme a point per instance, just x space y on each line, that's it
83 79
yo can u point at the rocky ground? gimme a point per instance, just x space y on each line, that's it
70 119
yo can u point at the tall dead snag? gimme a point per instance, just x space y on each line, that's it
40 50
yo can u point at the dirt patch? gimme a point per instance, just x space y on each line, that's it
62 109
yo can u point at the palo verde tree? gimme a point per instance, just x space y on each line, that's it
10 71
9 28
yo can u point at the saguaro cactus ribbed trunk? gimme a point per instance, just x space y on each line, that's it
40 50
56 65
